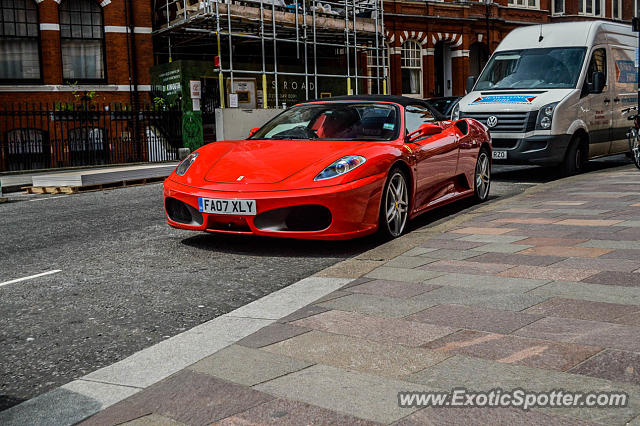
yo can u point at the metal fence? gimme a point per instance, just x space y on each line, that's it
43 136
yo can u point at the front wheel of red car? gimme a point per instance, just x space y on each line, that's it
394 210
482 176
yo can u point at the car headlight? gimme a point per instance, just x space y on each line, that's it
186 163
545 116
455 113
340 167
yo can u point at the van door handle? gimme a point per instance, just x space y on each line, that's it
616 100
607 101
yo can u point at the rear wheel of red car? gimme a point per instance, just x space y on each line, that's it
482 176
394 210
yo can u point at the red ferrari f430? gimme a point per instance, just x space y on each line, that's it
332 169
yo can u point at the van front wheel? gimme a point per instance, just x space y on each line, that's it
576 157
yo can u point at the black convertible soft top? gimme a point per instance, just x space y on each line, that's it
402 100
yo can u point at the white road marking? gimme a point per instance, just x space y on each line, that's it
55 271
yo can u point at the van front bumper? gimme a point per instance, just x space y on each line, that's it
548 150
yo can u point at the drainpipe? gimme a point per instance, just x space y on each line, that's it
133 57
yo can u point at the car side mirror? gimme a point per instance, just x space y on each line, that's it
253 131
471 81
424 131
598 82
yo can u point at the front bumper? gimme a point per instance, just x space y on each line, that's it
539 150
353 207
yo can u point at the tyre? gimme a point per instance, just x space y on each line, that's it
575 160
394 208
634 148
482 176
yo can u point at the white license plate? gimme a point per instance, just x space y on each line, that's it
499 155
229 207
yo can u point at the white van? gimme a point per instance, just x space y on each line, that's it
553 94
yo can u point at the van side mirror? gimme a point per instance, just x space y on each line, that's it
471 81
253 131
598 82
425 130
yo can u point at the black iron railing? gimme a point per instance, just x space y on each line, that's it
43 136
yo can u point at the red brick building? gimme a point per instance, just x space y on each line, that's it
51 48
435 45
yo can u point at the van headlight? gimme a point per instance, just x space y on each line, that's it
455 113
545 116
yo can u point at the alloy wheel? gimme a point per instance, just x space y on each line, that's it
483 176
397 205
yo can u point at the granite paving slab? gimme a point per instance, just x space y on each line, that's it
383 306
449 254
504 239
550 241
408 261
505 300
517 259
593 292
351 353
473 230
304 312
514 350
356 394
600 264
418 251
622 254
582 309
624 279
629 319
231 364
548 273
186 397
271 334
402 274
612 244
153 420
489 282
468 267
566 251
618 366
474 318
502 248
388 288
593 333
287 412
384 330
451 244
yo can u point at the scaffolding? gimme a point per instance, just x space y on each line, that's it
336 39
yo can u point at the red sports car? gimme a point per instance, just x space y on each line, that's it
332 169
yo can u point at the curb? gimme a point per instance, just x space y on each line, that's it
83 397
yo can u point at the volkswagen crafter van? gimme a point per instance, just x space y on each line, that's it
553 94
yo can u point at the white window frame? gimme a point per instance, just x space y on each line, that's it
553 7
593 8
523 4
413 62
613 2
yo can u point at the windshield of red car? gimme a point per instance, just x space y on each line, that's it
334 121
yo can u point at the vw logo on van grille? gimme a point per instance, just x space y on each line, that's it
492 121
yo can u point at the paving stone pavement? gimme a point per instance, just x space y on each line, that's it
539 292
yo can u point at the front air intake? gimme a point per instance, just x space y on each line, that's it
182 212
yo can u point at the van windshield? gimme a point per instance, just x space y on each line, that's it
551 68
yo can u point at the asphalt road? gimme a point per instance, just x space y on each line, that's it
127 280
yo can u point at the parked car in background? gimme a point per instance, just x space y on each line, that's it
443 106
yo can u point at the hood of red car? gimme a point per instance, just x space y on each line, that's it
266 161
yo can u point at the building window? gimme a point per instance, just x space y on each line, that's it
377 64
531 4
616 9
411 64
590 7
19 41
558 7
82 41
